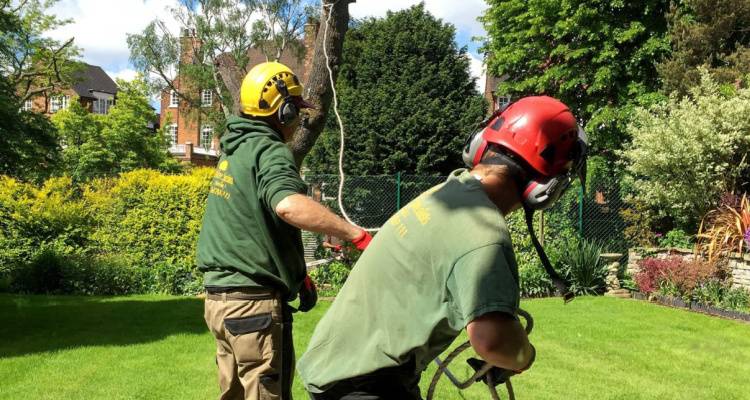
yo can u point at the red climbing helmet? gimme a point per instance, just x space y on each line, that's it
541 134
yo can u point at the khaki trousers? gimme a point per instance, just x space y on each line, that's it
254 349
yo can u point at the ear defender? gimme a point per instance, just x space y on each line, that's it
288 111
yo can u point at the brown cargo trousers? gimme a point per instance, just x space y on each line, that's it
254 349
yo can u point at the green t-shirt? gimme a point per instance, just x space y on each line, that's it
242 241
439 263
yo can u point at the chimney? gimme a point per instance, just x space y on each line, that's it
311 34
188 43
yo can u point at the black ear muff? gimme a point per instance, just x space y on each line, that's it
288 111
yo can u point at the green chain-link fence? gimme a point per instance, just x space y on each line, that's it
371 200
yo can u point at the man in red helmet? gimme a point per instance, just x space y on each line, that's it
445 263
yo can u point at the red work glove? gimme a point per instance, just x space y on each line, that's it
308 295
337 248
363 240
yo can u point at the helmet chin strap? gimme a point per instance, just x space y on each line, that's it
519 176
561 285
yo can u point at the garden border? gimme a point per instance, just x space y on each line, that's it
676 302
738 263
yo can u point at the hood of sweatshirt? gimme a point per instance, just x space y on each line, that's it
240 129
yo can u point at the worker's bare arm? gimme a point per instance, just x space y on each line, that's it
500 340
305 213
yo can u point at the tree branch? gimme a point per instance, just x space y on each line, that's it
318 88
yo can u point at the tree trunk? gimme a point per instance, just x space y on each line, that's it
317 88
232 76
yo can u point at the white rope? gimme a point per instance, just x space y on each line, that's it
342 176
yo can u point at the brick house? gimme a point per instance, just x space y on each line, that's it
495 100
191 137
95 90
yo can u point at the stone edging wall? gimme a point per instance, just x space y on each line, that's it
739 263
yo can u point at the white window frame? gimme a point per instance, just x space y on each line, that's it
207 98
27 105
172 134
207 136
58 103
101 106
503 101
174 99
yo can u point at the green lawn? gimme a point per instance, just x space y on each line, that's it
157 347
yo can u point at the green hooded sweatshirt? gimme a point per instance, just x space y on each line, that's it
243 243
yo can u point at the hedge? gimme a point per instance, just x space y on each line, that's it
131 234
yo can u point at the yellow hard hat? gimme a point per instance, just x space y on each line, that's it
267 86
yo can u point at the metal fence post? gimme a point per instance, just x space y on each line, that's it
580 212
398 190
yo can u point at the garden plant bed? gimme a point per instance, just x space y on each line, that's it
677 302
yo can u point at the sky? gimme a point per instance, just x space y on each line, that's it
100 27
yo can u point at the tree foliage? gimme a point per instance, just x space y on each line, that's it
224 32
220 34
28 141
33 63
713 34
596 56
687 151
405 97
105 145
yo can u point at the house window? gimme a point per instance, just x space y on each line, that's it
207 98
502 102
207 135
58 103
172 134
101 106
174 100
27 105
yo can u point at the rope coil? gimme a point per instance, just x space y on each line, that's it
443 368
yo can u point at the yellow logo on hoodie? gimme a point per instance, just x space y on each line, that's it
221 180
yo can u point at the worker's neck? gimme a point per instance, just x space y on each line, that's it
500 188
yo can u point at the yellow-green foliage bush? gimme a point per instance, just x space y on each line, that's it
34 218
129 234
152 221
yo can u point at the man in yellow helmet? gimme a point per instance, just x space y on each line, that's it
250 247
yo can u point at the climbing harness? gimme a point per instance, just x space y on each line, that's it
483 372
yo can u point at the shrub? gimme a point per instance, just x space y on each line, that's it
54 272
725 229
736 299
675 276
108 237
330 278
152 221
650 273
534 282
102 275
36 219
687 151
581 264
710 292
42 274
181 278
676 238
